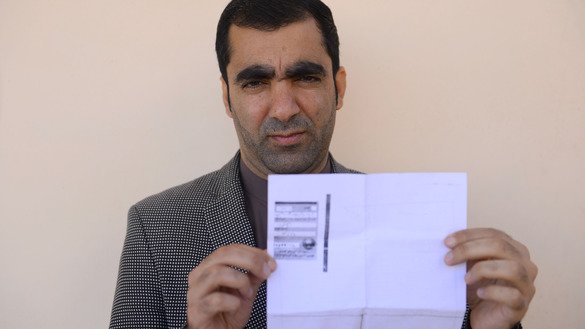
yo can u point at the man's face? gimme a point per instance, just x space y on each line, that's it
282 96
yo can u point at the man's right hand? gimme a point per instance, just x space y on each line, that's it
220 296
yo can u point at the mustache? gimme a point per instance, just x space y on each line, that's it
295 123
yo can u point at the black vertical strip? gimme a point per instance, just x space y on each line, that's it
326 239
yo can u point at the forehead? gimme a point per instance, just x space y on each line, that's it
300 41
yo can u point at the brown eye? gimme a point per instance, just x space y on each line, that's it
309 79
252 84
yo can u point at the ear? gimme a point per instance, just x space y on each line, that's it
226 97
341 84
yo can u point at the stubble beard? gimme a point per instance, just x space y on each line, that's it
295 159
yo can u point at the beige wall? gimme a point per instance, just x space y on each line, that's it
105 102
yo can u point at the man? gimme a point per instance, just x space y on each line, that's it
282 85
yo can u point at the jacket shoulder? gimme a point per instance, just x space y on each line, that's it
197 192
338 168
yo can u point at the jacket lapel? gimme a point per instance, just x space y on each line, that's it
226 215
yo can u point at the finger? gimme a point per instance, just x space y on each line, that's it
218 302
513 273
508 296
532 270
463 236
215 277
250 259
470 234
482 249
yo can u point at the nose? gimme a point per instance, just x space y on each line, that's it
283 102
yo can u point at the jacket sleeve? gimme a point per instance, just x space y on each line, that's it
467 324
138 301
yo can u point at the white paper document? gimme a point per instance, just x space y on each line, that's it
365 251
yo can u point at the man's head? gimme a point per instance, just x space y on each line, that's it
281 85
270 15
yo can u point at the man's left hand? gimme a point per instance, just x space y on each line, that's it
500 276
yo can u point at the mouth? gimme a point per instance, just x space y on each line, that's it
287 138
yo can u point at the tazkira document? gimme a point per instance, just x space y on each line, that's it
365 251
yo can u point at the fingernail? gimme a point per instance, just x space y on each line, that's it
450 241
251 293
481 292
467 276
266 270
449 257
272 265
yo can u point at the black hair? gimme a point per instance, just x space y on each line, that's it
270 15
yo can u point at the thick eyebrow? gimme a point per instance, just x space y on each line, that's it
255 72
304 68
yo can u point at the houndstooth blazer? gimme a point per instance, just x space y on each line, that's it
169 234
